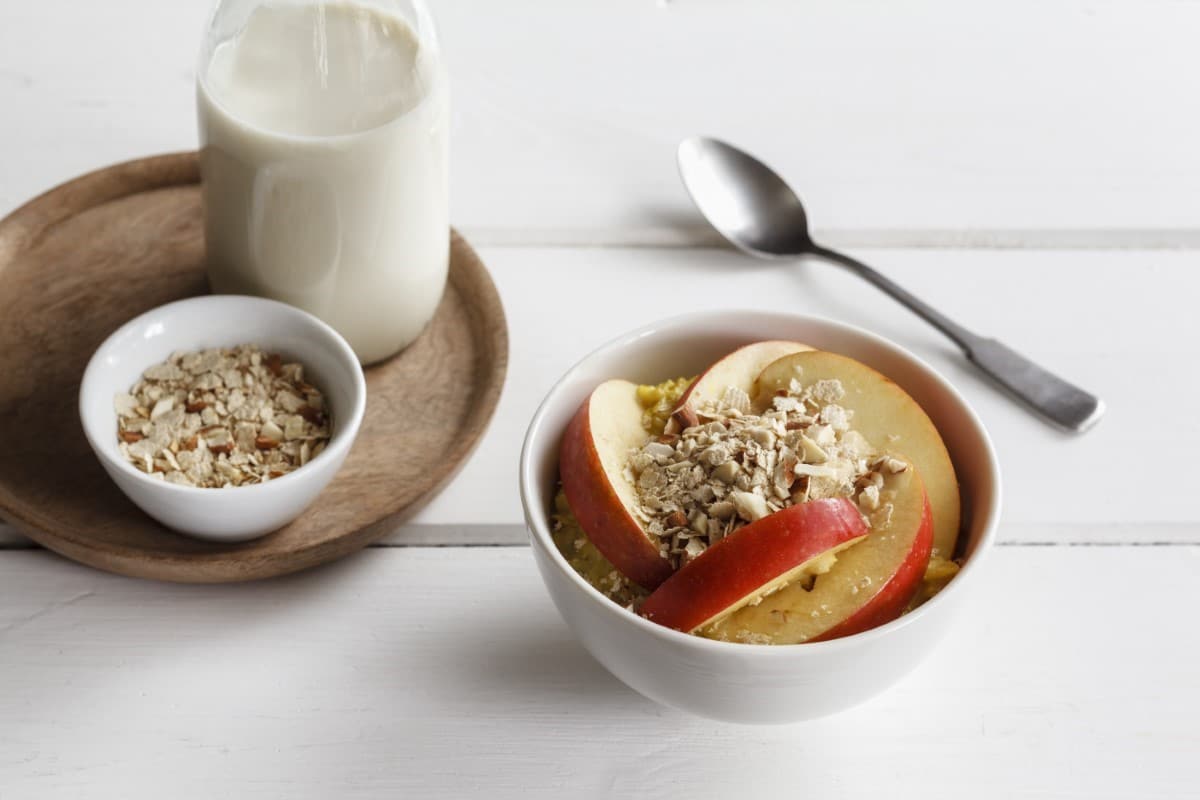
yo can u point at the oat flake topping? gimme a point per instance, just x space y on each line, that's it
735 467
222 417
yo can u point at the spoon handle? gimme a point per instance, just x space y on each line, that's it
1057 400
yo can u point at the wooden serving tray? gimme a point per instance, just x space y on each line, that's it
84 258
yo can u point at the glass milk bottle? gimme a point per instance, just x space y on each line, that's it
323 130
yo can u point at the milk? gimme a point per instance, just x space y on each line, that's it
323 132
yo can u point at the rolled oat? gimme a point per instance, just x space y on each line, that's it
732 467
222 417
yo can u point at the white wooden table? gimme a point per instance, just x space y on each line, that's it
1032 168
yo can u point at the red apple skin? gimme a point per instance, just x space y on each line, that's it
600 510
734 569
894 557
739 368
890 602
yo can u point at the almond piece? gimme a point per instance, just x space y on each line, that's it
683 419
315 416
218 440
677 519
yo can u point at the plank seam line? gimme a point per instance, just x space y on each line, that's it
701 238
19 547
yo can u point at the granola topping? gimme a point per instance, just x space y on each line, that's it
222 417
735 466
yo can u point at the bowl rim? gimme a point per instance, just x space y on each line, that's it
341 438
537 519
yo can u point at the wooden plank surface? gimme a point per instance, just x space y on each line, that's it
1120 323
447 673
1051 123
433 666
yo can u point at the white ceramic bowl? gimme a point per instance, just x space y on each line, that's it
243 512
739 682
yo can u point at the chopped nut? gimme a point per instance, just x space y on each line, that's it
727 472
723 465
813 452
218 440
682 419
722 510
693 549
785 474
313 415
817 471
764 437
162 407
272 431
868 498
750 506
889 464
208 419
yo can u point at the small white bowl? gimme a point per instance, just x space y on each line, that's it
739 682
244 512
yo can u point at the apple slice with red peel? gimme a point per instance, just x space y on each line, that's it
740 368
592 463
755 561
889 419
870 584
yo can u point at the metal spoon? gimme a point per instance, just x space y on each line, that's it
758 213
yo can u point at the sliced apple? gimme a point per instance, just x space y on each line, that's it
592 464
890 420
740 368
754 562
870 584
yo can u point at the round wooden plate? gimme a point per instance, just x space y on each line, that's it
82 259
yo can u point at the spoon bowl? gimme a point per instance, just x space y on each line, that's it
744 199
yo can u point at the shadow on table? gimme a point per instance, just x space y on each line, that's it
457 655
498 657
